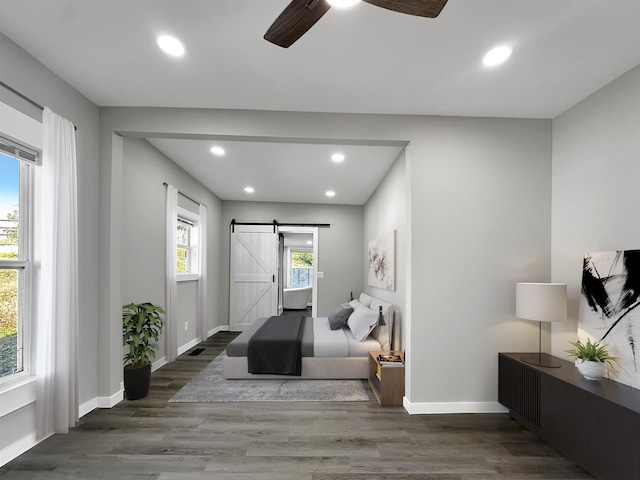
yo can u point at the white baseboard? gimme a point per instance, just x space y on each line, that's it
189 345
157 364
221 328
112 401
18 448
434 408
87 407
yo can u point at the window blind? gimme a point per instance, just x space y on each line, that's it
19 151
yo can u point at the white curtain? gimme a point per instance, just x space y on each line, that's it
172 275
57 317
202 269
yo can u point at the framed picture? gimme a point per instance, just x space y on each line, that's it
609 311
382 265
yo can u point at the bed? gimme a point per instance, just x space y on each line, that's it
340 353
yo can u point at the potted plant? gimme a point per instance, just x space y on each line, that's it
142 325
591 358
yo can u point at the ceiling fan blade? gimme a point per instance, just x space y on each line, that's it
419 8
295 20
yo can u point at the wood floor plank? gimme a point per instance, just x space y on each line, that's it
151 438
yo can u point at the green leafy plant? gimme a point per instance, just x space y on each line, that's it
591 352
142 325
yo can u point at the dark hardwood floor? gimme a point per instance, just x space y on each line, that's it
153 439
306 312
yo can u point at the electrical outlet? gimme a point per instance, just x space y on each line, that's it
186 326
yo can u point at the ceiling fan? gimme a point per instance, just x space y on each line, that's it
301 15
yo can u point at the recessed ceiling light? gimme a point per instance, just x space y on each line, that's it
342 3
330 193
337 157
249 189
497 56
171 46
217 150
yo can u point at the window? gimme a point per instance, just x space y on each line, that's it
187 243
15 253
184 246
301 262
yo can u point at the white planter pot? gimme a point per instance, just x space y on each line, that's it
591 370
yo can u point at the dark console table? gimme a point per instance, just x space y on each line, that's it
595 423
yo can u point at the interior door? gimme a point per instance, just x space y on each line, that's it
254 275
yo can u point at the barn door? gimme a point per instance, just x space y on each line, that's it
254 275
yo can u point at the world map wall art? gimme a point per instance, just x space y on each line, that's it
382 267
609 310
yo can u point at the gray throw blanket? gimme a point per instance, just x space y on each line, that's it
276 347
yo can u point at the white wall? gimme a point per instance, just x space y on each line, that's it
386 211
31 78
340 251
596 168
145 169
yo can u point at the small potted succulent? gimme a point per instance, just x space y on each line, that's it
591 358
142 325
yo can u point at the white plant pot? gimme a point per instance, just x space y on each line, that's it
591 370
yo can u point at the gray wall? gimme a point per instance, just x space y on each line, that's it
340 254
143 223
31 78
145 169
386 211
479 221
596 167
187 315
480 202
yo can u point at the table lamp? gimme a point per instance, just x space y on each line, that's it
544 302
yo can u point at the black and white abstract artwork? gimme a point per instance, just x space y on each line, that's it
382 266
609 310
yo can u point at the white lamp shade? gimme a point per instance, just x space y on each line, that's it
544 302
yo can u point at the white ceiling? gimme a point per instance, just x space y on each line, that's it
362 60
283 172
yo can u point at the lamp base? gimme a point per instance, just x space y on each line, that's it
539 361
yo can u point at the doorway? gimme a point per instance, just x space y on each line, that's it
298 267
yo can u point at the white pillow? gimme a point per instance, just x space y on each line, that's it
353 304
362 321
365 299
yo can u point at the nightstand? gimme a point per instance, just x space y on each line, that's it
386 381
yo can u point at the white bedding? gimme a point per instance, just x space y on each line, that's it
327 342
339 343
361 349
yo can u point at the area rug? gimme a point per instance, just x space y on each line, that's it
209 386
